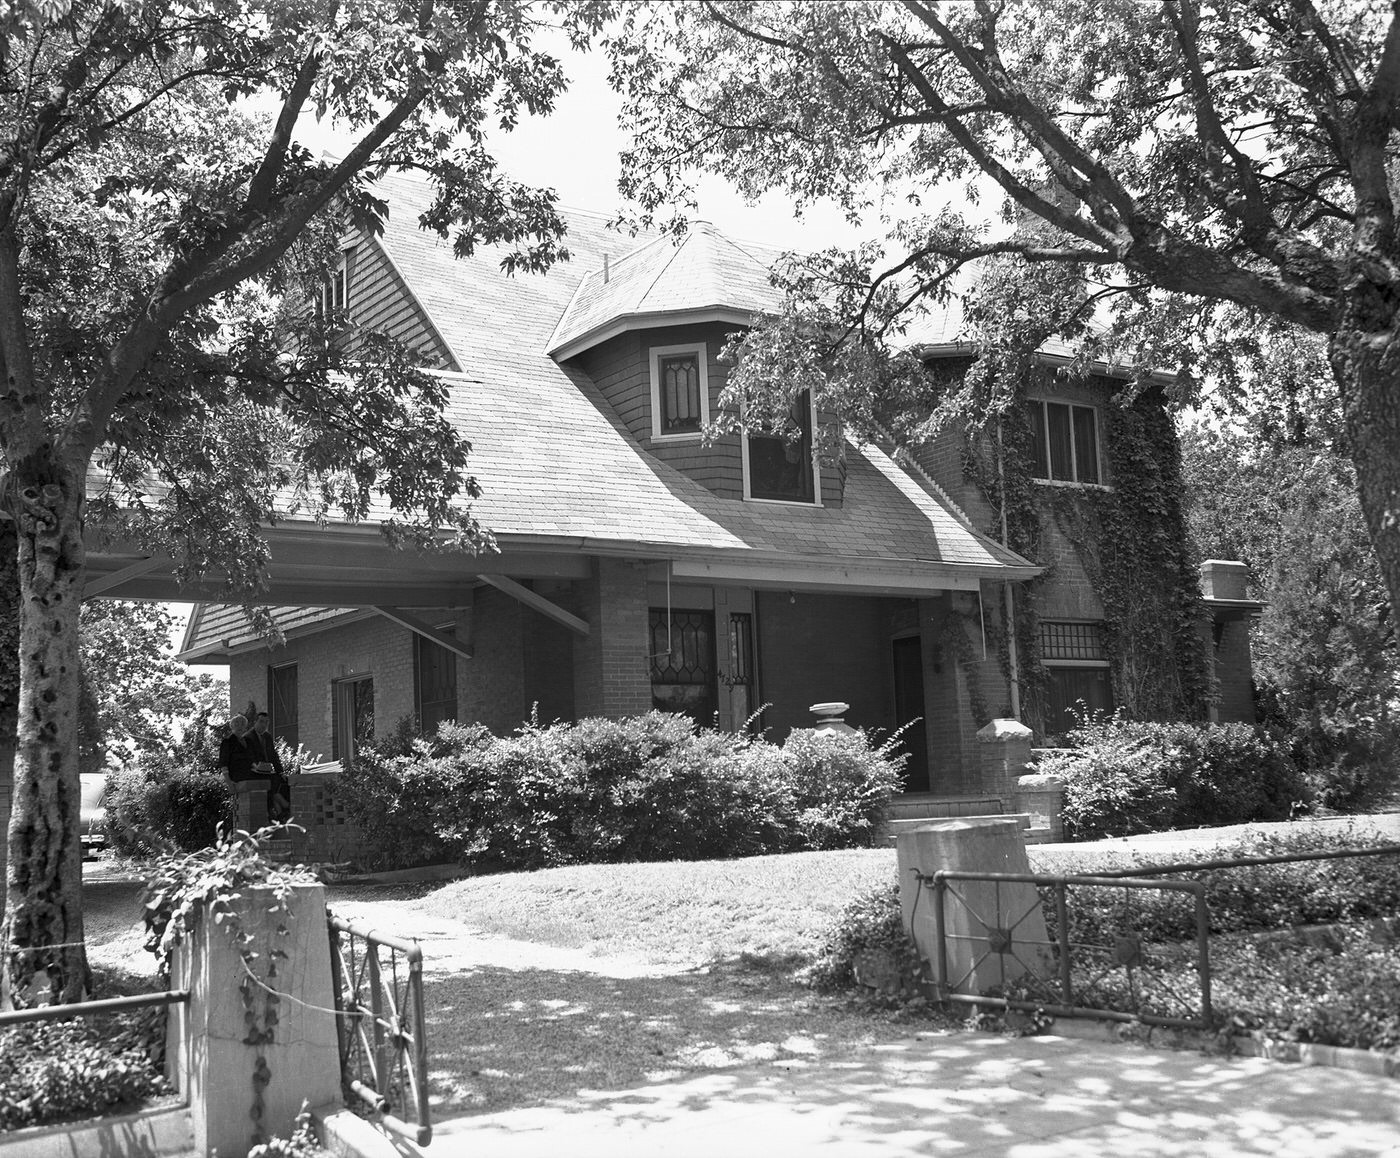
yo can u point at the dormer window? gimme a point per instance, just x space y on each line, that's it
779 469
680 391
1065 442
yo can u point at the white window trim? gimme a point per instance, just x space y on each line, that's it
659 352
339 276
816 470
1073 449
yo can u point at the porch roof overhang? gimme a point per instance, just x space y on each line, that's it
355 567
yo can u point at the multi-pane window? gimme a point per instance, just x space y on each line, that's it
434 683
1077 677
782 468
1064 441
282 703
679 391
683 663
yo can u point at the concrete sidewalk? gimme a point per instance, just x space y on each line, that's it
955 1094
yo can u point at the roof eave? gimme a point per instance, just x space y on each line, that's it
1101 366
562 351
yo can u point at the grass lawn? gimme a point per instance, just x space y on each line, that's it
687 912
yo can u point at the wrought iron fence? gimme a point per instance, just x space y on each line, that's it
1043 957
383 1044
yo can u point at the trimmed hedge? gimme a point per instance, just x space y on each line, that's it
651 787
1124 777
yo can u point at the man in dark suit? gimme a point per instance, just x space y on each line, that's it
267 763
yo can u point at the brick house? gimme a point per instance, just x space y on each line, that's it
636 565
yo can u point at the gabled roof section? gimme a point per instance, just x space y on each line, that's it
706 276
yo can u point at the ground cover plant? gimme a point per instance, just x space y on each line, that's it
83 1068
647 788
1339 990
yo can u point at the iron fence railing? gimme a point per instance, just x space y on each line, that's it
91 1008
383 1041
1177 867
1121 976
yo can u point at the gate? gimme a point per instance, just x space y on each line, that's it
383 1043
1102 969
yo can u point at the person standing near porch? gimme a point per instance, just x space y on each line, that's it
266 762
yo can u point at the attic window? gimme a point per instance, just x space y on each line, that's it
680 392
778 469
335 290
1065 442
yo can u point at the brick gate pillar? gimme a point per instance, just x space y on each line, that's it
611 673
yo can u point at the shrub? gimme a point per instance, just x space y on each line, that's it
171 797
651 787
872 921
60 1071
1125 777
401 793
840 786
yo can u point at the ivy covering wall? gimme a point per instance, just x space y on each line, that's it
1129 537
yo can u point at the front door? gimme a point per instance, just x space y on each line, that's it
683 663
909 705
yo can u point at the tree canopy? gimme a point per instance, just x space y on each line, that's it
161 233
1209 179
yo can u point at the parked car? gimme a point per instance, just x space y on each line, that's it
92 816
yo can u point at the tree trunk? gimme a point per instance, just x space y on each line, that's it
9 680
1366 366
42 940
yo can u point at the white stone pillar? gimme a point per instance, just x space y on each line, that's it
245 1058
995 932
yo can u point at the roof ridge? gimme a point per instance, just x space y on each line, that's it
675 252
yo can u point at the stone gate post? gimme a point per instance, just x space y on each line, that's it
248 1053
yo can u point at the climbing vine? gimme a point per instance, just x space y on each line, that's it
1130 540
212 881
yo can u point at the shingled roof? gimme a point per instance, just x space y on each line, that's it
559 470
662 282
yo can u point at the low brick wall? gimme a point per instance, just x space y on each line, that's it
330 837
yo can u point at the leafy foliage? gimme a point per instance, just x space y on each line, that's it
169 797
1272 489
1138 166
144 695
60 1071
1126 777
651 787
161 231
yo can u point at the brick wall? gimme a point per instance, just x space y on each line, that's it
610 673
1234 671
823 648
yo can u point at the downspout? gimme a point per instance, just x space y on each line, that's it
1012 662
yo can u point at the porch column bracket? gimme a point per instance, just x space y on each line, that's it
104 583
537 602
427 631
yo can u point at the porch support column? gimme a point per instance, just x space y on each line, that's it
949 726
611 673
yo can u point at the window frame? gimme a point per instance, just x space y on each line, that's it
1049 666
280 728
655 354
419 643
334 298
1043 428
816 499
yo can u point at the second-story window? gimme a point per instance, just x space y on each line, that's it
1065 442
782 469
680 404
